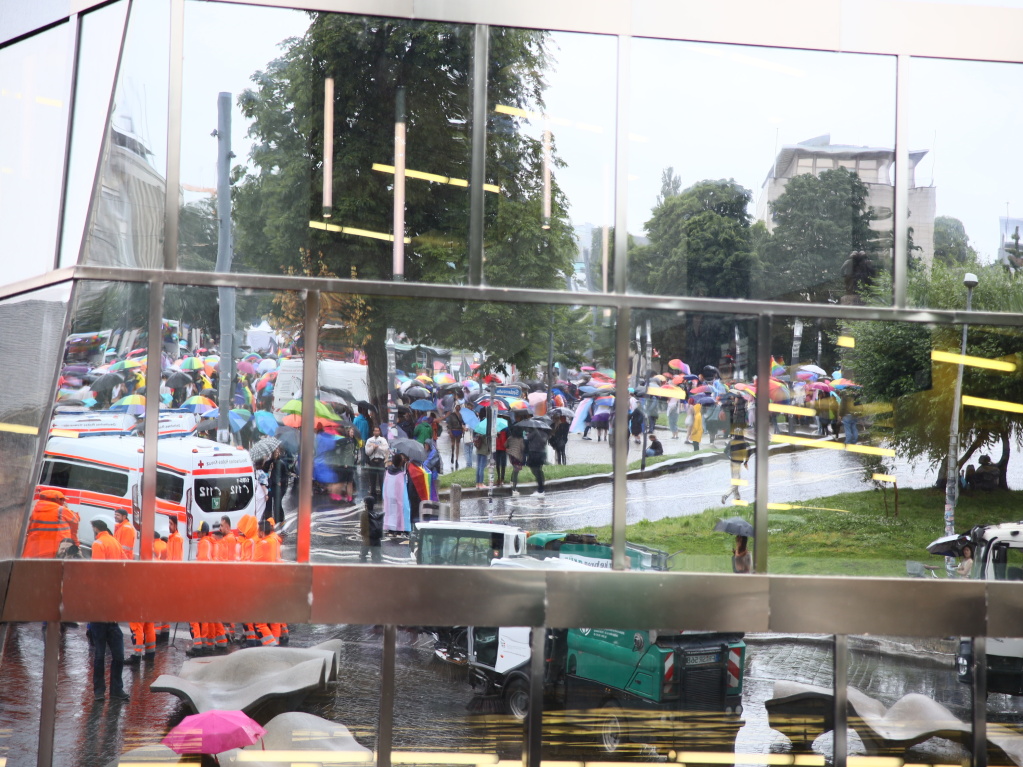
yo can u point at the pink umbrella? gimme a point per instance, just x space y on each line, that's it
245 367
213 732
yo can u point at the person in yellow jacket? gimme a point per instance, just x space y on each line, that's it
49 526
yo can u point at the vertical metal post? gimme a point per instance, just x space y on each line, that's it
952 466
621 244
385 724
174 90
762 442
151 440
307 436
75 22
620 455
533 743
48 700
478 164
456 503
225 257
979 702
841 677
398 252
900 222
327 203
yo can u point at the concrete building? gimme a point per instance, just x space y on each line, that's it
875 168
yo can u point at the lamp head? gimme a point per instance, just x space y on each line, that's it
970 280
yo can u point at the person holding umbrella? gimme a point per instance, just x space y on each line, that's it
559 439
742 560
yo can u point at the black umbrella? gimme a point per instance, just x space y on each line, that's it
179 380
106 382
416 392
342 393
734 526
710 373
409 448
445 388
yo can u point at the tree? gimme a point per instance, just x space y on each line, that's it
369 60
700 245
951 243
818 221
893 363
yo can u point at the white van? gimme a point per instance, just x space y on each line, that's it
332 376
197 480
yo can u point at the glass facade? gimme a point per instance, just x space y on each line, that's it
316 359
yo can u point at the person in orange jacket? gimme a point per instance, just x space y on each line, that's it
229 542
159 547
124 532
248 530
107 636
268 549
175 543
48 526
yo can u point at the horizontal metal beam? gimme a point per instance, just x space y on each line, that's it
730 307
449 596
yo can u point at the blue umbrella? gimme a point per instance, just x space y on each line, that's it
424 405
499 425
266 422
237 420
469 418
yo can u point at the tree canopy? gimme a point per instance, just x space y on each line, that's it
951 243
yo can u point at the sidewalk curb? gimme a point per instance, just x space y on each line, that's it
670 466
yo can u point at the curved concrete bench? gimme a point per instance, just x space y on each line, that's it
804 712
240 663
245 684
295 731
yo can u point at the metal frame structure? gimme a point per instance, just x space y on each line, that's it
313 593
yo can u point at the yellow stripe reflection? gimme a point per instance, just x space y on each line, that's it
806 441
740 482
883 477
874 761
436 178
993 404
441 757
976 362
17 428
544 763
64 433
781 760
791 409
847 341
354 231
791 507
739 502
301 755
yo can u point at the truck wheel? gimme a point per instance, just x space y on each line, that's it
516 698
613 731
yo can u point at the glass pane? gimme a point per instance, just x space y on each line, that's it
755 207
34 92
93 455
99 47
962 224
862 439
125 225
691 434
390 81
905 700
35 322
220 478
550 160
302 706
423 371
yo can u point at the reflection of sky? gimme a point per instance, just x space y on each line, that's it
708 111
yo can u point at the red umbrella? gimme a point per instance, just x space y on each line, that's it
213 732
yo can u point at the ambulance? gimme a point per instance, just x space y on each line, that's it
99 470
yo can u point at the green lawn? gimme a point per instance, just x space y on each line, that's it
845 534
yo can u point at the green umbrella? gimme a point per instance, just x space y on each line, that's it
323 410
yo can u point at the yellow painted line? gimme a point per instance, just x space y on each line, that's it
874 761
791 409
441 757
976 362
740 482
304 756
993 404
847 341
810 760
726 758
865 449
435 177
354 231
17 428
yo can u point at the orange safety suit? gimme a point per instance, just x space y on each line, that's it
175 548
207 635
229 548
125 535
48 526
268 549
105 547
159 549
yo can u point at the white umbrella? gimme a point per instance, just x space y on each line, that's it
814 369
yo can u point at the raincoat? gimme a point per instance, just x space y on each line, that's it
48 526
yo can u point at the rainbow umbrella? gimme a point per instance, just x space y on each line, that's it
443 379
128 364
323 410
680 366
198 404
252 357
133 404
294 420
517 404
192 363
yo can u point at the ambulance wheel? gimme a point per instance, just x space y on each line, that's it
613 731
516 698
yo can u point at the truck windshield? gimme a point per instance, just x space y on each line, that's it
220 494
460 548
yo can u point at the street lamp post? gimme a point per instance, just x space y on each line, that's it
952 473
